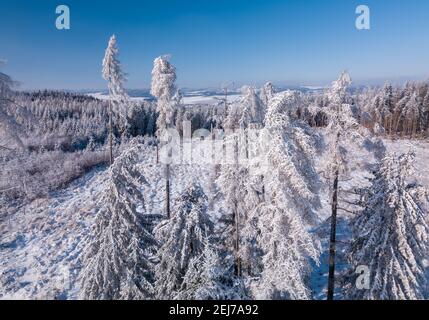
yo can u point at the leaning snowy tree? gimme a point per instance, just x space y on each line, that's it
9 129
117 261
390 235
164 89
182 239
291 200
118 98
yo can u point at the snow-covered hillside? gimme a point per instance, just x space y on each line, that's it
41 243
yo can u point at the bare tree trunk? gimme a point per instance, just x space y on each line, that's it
157 154
332 244
391 126
167 191
110 132
237 242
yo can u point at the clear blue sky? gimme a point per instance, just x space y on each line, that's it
211 41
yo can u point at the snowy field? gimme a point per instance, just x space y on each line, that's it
191 98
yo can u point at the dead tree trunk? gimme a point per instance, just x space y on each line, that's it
237 241
167 191
332 243
110 133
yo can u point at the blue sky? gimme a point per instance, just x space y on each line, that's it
212 41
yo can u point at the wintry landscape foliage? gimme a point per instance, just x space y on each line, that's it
89 209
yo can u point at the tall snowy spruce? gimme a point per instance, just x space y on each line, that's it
390 235
231 183
291 200
163 88
118 98
117 261
234 181
182 238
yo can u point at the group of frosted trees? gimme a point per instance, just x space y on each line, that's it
268 216
398 111
261 244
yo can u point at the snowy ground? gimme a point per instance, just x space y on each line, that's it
41 243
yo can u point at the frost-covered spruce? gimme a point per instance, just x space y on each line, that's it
390 236
164 89
113 74
182 239
291 193
116 262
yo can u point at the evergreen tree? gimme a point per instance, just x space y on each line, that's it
390 235
182 239
164 89
117 261
206 278
118 98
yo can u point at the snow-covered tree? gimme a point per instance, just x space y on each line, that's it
9 129
182 239
342 133
390 235
246 114
267 92
117 261
248 109
253 110
113 74
411 113
206 277
164 90
291 193
118 98
232 184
